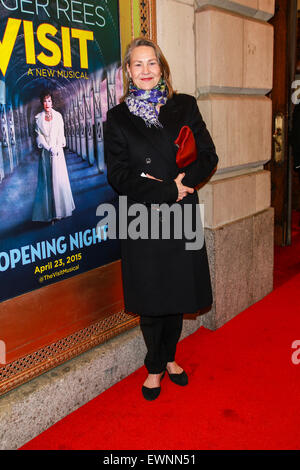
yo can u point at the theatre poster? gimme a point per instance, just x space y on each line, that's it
52 166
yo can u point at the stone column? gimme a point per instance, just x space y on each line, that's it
72 126
6 158
12 133
17 130
111 87
27 132
77 126
81 122
1 165
67 128
89 124
222 52
98 128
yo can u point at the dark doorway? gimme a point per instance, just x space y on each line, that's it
281 165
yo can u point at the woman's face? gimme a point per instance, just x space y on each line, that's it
47 103
144 68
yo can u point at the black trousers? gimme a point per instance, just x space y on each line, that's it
161 335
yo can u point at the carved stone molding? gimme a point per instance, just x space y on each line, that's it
148 18
30 366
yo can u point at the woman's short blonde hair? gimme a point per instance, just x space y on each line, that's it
164 66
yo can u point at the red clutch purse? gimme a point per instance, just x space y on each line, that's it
187 150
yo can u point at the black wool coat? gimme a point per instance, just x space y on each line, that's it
160 276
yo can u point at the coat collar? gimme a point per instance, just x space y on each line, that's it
40 120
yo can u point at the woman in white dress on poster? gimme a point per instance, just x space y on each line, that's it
53 199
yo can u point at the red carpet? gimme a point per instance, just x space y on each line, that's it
243 391
287 259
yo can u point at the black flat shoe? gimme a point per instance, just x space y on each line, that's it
179 379
151 394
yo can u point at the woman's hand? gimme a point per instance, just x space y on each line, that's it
182 190
54 151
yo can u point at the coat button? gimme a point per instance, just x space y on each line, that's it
148 160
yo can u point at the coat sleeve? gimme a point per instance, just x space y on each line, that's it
207 159
123 179
295 137
61 140
40 139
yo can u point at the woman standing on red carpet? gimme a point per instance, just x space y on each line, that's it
157 151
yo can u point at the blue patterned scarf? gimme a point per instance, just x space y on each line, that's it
142 103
